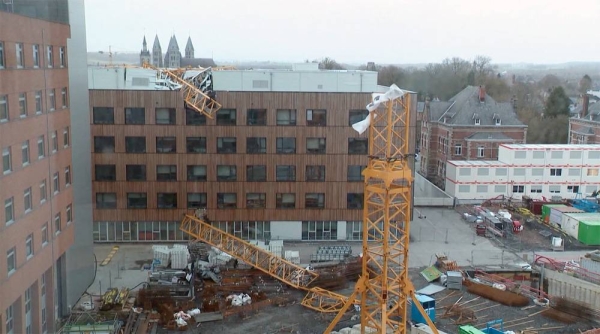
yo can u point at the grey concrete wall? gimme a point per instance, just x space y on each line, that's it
427 194
80 265
563 285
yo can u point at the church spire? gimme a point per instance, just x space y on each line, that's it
189 49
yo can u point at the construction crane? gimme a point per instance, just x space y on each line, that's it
384 288
196 86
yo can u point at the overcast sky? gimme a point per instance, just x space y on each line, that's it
353 31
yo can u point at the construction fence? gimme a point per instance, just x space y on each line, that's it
563 285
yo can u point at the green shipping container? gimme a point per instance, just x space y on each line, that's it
589 233
468 329
546 210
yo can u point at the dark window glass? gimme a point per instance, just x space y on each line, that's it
355 200
286 173
195 144
357 116
226 173
226 117
314 201
358 145
106 172
192 117
166 173
196 173
226 145
256 145
104 144
196 200
257 117
165 116
315 145
106 200
166 200
256 173
315 173
135 144
103 115
286 116
135 172
286 145
137 200
135 116
316 117
226 200
286 201
256 200
355 173
166 145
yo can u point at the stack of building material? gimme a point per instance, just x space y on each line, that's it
293 256
276 247
454 281
179 257
162 254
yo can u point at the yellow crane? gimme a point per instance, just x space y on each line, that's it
384 288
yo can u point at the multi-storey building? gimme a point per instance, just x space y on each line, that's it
469 126
584 127
280 160
37 225
533 170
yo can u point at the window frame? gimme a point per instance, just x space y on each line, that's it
224 117
226 145
162 146
201 203
319 198
108 175
133 118
221 204
23 105
355 142
27 200
357 115
170 176
194 118
108 205
9 204
129 173
316 170
49 56
7 160
292 115
321 143
11 265
355 204
20 55
142 198
197 178
99 118
102 144
252 169
279 203
190 146
361 178
281 148
133 144
230 177
29 247
259 203
290 171
259 142
256 117
310 117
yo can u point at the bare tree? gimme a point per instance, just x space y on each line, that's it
330 64
482 65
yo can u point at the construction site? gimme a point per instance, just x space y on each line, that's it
218 282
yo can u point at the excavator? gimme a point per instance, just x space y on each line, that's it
384 289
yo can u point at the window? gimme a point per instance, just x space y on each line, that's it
226 200
500 188
69 212
226 117
44 234
358 145
314 201
9 211
256 145
66 141
483 171
166 173
554 189
28 328
319 230
519 172
464 171
482 188
464 188
167 201
480 152
195 144
63 94
315 173
6 160
57 224
3 108
573 189
166 145
196 173
477 121
43 192
226 173
355 173
458 149
22 105
135 116
256 173
29 246
555 171
135 172
285 173
537 172
103 115
41 147
574 172
285 201
50 56
2 61
106 200
556 155
498 121
520 155
62 55
51 100
27 202
575 154
315 145
316 117
106 172
226 145
36 55
104 144
256 200
54 142
357 116
137 200
257 117
592 172
135 144
535 189
10 312
355 200
538 154
20 56
192 117
286 145
591 154
56 182
518 189
196 200
286 116
25 153
38 102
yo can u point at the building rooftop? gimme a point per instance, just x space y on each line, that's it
478 163
551 147
303 78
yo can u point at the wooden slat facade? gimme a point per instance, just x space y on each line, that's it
336 159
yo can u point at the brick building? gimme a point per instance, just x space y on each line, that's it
584 127
469 126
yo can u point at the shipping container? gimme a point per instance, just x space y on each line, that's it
570 222
556 214
546 211
590 265
589 232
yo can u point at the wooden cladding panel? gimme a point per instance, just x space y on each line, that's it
336 159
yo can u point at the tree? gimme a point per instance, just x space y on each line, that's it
549 82
585 84
557 104
391 74
330 64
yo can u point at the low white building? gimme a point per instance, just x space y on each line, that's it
533 170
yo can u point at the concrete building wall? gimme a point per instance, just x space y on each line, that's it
563 285
80 264
29 90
